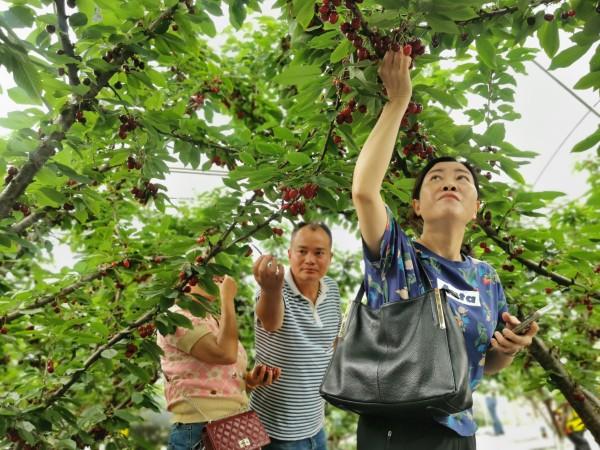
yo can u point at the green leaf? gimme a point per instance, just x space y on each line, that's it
568 56
588 142
54 197
548 37
304 11
237 13
78 19
298 159
298 75
512 172
22 97
109 353
324 40
487 52
494 134
19 17
343 49
441 24
591 80
27 77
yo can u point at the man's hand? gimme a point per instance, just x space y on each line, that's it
268 273
510 343
262 375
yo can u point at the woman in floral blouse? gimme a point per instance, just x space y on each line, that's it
446 199
205 370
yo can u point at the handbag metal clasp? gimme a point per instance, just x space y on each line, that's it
243 443
440 309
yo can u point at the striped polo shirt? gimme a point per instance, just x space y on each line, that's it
292 409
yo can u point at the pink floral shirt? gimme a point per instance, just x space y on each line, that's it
189 378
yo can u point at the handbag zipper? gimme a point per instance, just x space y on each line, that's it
440 309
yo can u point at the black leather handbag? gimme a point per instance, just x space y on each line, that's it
407 358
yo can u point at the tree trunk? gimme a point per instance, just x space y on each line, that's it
584 402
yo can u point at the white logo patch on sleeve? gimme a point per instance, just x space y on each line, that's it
470 298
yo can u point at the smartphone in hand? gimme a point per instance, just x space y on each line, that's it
526 323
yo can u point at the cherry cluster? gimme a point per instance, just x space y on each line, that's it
584 300
291 198
128 123
218 161
10 174
483 245
146 330
339 143
345 115
508 267
418 144
79 117
132 163
327 11
144 193
23 208
197 100
130 350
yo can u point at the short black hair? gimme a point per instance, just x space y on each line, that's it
313 226
421 176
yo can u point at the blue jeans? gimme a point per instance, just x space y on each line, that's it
317 442
185 436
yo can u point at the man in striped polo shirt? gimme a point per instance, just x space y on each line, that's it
297 319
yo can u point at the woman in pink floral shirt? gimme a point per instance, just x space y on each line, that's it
205 370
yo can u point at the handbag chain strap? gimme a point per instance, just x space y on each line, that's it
189 401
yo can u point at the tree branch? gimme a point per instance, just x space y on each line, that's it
98 353
44 300
582 400
48 146
67 46
485 15
32 218
532 265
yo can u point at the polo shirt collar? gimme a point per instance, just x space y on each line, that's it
290 280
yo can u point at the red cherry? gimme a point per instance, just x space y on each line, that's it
50 366
187 289
199 259
407 49
549 290
3 330
201 240
362 54
483 245
126 263
549 17
333 17
337 139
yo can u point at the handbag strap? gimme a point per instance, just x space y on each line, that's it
423 272
188 400
425 279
